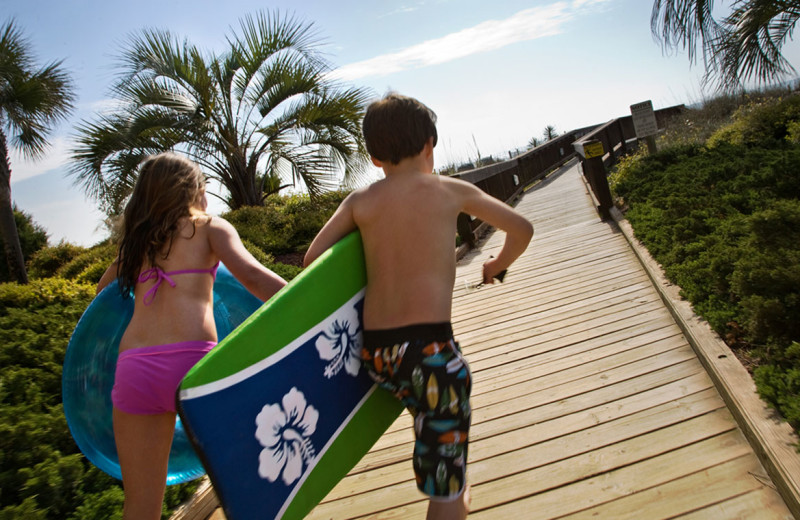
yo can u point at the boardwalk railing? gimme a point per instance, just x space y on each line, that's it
616 138
508 179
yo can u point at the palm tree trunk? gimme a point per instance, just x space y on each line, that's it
8 226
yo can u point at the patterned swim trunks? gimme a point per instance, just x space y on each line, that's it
423 366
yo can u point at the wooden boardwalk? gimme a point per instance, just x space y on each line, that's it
588 401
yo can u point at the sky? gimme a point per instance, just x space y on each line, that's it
496 73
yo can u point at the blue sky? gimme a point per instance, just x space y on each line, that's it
496 73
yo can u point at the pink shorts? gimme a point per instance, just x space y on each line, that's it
148 377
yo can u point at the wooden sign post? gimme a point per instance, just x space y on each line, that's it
644 123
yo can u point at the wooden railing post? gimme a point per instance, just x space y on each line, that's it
465 231
595 172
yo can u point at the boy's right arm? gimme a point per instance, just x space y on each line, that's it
519 230
225 241
340 224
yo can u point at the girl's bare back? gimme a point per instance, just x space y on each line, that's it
184 312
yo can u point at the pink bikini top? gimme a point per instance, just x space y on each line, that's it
161 276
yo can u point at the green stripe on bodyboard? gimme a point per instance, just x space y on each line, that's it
288 314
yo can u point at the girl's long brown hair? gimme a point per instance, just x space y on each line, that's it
167 189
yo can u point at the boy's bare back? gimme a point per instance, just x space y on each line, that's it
408 225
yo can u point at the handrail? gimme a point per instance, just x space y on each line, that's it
617 138
507 180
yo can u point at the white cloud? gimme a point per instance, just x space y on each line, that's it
579 4
55 156
403 9
525 25
104 106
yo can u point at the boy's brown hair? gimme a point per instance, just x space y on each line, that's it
397 127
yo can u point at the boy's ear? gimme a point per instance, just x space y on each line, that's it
376 162
428 149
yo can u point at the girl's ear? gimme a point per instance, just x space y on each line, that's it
376 162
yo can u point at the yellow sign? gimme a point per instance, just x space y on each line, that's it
593 150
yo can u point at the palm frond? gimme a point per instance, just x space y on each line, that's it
688 24
752 44
32 100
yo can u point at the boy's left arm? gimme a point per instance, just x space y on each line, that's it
339 225
519 230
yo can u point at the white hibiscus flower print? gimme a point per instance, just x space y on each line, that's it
285 433
340 345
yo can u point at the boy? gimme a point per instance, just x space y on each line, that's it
408 226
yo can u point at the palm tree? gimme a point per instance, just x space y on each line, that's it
746 45
32 101
264 108
549 132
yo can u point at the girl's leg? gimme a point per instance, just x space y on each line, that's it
143 444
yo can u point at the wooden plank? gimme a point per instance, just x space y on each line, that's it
683 494
492 460
773 440
555 418
764 503
531 332
621 470
496 498
200 506
635 287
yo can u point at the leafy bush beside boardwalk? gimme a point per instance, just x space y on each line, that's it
722 216
43 475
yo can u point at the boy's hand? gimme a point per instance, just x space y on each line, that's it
491 271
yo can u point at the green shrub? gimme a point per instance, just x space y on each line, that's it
779 383
32 237
48 260
42 473
764 122
285 271
258 253
284 224
724 222
90 264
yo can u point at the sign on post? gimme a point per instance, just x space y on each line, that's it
593 149
644 120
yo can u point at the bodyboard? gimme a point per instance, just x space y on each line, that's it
281 410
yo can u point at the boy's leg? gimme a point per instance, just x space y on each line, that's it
453 510
441 426
434 382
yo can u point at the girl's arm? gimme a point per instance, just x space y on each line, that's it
339 225
227 245
108 276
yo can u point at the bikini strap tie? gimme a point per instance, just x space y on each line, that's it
159 276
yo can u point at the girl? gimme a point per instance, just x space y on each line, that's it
168 255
